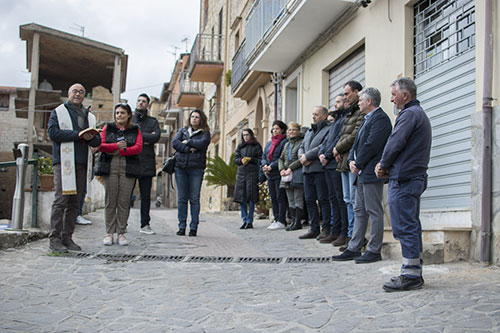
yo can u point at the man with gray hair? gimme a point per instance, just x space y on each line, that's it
315 188
363 156
404 161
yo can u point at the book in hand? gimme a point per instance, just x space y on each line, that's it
91 130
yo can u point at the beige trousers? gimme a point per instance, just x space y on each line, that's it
117 199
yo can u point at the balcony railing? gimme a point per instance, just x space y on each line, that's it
207 55
261 18
190 92
213 119
239 66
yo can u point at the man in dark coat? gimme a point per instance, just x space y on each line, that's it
150 135
363 156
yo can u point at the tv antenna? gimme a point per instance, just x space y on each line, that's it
185 40
175 51
79 27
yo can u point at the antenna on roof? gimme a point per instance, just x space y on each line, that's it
185 40
79 27
175 51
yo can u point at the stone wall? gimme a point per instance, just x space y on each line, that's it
477 142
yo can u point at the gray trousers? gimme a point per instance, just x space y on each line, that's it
117 198
368 205
295 197
65 207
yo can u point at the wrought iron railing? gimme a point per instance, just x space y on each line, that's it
206 48
213 118
188 86
239 66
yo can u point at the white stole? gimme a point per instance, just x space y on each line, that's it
90 159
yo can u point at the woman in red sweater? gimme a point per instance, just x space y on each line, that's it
119 165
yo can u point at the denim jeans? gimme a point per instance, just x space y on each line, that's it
349 190
336 196
188 189
404 207
247 208
315 189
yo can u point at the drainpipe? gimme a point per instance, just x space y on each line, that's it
276 81
486 150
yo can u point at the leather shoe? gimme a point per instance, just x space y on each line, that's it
368 257
71 245
243 226
192 233
324 233
181 232
249 226
403 283
341 240
310 235
329 239
56 245
296 225
346 255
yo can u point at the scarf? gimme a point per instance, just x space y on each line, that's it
80 113
275 140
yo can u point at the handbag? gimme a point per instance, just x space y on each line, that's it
169 165
287 178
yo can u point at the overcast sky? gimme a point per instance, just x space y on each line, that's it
148 31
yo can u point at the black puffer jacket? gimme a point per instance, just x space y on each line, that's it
247 177
193 153
150 135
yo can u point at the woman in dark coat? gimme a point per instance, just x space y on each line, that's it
190 144
269 163
246 190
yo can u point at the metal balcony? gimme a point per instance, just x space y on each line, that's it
278 32
190 93
206 62
239 66
213 119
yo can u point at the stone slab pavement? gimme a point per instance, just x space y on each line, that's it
41 292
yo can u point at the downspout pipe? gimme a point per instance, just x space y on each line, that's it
487 142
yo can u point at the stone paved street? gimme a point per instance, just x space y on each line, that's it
45 293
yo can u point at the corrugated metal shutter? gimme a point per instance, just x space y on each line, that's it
446 90
351 68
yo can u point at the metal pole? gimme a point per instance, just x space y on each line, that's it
18 200
34 193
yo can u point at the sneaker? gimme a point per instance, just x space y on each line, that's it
147 230
276 226
56 245
82 221
271 226
122 240
108 240
71 245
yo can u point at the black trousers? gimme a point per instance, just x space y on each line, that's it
145 183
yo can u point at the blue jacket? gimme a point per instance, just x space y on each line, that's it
184 157
332 139
273 163
407 152
58 136
369 145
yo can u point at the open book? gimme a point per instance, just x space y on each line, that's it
91 130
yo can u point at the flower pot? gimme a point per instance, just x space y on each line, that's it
46 182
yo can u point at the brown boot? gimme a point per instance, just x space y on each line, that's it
324 233
310 235
329 239
341 240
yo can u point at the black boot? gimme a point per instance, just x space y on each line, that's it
292 213
296 225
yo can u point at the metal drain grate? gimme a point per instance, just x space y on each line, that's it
150 257
210 259
198 259
260 260
297 260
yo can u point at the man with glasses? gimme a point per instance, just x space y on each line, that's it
150 135
69 156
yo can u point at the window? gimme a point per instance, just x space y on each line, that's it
4 101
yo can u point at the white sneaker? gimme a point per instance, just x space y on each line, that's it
82 221
271 226
122 240
108 240
147 230
276 226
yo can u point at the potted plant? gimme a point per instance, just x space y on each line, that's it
45 173
264 203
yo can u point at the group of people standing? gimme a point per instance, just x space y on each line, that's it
336 172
